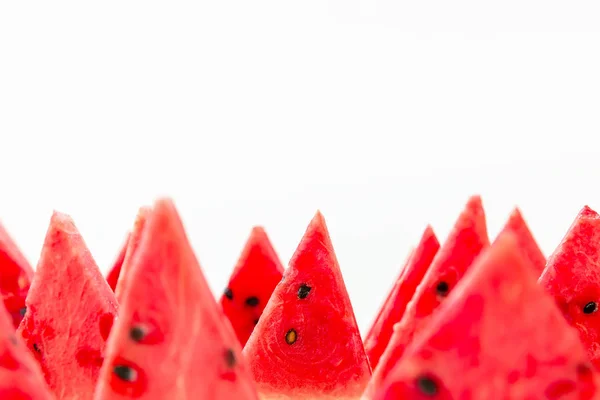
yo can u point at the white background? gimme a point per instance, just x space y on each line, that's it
385 115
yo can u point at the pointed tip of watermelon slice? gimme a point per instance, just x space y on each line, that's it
63 222
518 226
587 212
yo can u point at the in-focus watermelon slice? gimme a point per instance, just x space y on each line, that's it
572 277
527 243
307 344
467 239
20 376
394 306
251 284
497 336
70 311
15 277
113 274
172 340
132 245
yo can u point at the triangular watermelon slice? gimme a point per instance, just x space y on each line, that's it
497 336
115 271
307 344
527 243
20 376
15 277
171 340
132 245
467 239
70 311
572 277
394 306
251 284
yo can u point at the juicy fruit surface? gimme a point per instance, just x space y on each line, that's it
467 239
501 334
15 276
255 276
572 277
171 340
115 271
517 225
394 306
20 376
70 310
307 344
132 245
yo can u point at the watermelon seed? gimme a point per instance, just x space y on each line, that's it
442 289
22 311
37 348
137 333
303 291
252 301
590 307
230 358
228 293
291 336
13 339
256 321
125 373
427 385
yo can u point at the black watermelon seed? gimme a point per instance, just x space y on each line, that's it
442 289
303 291
583 369
22 311
252 301
125 373
37 348
427 386
291 336
137 333
590 307
230 358
228 293
256 321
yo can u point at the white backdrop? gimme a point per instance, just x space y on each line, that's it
385 115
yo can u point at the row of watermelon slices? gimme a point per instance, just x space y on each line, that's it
466 320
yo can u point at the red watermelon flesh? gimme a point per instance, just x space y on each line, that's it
394 306
255 276
70 311
15 277
20 375
572 277
497 336
527 243
132 245
113 275
307 344
466 241
171 341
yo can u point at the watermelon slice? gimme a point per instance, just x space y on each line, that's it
20 376
70 311
468 238
113 275
527 243
132 245
252 281
307 344
171 341
15 277
572 276
497 336
394 306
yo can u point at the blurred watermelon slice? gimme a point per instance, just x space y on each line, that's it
251 284
171 340
307 344
467 239
395 304
497 336
15 277
115 271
